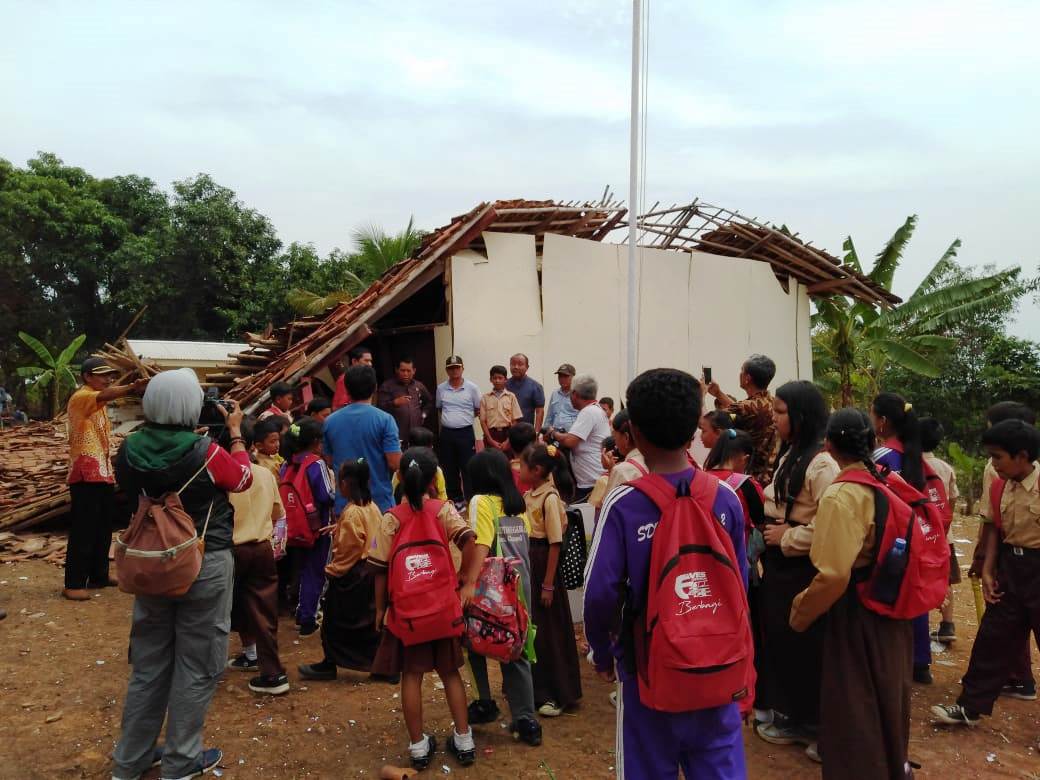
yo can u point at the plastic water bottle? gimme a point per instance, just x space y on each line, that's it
885 589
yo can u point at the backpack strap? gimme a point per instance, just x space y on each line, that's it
657 489
205 465
881 507
638 467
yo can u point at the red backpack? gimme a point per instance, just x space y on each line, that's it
903 512
302 519
693 648
736 480
934 487
423 602
996 493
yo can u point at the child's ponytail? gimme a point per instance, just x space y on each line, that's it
418 470
852 436
550 459
900 413
730 444
302 435
356 475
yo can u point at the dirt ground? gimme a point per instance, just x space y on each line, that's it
63 674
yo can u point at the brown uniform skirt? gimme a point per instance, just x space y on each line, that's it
348 630
394 657
557 673
865 704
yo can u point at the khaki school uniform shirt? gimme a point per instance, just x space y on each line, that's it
625 471
500 411
256 508
1019 510
356 525
272 463
456 529
818 476
843 540
546 513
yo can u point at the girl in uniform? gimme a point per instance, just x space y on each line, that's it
789 687
865 706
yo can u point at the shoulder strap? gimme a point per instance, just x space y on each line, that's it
205 464
881 507
657 489
638 467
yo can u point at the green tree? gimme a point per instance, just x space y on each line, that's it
854 344
53 372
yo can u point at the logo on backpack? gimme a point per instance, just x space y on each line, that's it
419 566
694 585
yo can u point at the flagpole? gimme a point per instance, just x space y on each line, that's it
633 194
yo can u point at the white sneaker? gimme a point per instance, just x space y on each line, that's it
551 710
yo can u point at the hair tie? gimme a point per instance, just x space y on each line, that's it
731 433
362 460
551 449
414 465
907 407
733 416
294 429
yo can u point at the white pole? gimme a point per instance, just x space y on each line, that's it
633 192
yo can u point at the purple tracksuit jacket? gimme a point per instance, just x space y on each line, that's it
312 568
650 744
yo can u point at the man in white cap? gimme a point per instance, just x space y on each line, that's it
91 481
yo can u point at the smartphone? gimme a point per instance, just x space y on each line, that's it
707 374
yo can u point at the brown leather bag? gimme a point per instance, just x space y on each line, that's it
160 554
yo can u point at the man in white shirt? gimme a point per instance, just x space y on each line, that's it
585 437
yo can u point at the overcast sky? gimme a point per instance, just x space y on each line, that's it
832 117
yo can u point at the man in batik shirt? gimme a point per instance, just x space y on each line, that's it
754 414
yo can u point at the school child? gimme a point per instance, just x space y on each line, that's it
931 436
319 408
630 465
1020 684
1010 581
499 410
418 471
521 436
495 496
711 426
267 441
664 405
899 431
420 436
557 676
254 612
865 706
348 634
305 441
788 693
282 401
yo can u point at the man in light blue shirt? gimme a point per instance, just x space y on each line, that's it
562 413
458 400
359 430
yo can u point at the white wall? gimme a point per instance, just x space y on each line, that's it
696 309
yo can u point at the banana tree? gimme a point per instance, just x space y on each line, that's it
53 372
854 342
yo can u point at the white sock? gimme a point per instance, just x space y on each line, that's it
421 748
250 652
464 741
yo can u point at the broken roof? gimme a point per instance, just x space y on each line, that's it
306 344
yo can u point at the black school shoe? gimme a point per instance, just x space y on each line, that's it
1023 691
528 730
945 633
241 663
483 711
274 686
923 675
464 757
323 670
308 628
424 761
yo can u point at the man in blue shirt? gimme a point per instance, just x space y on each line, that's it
359 430
459 402
562 413
528 391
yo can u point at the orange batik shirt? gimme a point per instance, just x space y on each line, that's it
89 433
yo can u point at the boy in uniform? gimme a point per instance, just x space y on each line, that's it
664 407
499 409
1010 572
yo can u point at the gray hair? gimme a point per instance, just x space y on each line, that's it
585 387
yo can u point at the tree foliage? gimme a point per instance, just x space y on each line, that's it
53 373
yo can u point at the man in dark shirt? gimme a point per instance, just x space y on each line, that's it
527 390
405 398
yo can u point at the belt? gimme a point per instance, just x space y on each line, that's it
1020 551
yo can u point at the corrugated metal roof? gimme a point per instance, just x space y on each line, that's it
209 351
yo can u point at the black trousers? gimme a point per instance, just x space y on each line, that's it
456 447
1004 629
90 535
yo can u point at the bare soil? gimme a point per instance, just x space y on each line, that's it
63 675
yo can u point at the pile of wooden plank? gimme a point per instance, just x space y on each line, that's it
33 467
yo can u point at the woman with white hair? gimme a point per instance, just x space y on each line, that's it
178 646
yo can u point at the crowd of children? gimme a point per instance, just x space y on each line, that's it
811 539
